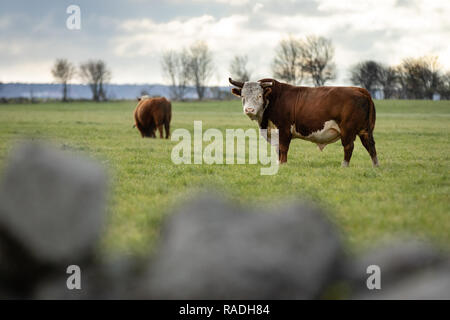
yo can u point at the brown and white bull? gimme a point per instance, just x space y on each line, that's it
321 115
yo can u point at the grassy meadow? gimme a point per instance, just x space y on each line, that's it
408 193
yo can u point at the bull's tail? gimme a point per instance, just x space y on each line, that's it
366 136
372 115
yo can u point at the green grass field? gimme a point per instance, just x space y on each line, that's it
408 194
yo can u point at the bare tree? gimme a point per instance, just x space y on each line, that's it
409 71
317 59
176 69
63 71
200 66
238 68
96 74
420 76
286 65
389 81
402 92
444 87
367 74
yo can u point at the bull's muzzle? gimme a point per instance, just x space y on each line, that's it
249 110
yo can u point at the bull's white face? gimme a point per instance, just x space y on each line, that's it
252 99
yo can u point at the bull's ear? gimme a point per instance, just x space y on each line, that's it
236 92
138 99
267 92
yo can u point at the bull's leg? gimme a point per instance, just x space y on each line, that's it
160 129
141 129
283 153
167 128
285 140
151 132
347 143
369 143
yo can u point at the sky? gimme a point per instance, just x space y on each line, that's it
130 36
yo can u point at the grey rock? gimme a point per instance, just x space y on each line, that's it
422 284
6 294
400 260
120 278
51 205
17 270
212 250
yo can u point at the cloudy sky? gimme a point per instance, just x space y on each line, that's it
131 35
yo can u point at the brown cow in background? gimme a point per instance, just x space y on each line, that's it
152 114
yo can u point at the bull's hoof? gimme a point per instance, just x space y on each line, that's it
344 164
375 162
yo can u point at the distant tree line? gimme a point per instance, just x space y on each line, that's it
308 60
94 73
296 61
413 78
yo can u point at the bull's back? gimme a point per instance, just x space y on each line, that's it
334 100
154 111
340 104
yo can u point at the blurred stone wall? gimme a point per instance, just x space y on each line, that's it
52 216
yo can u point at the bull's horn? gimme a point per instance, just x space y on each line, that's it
266 84
236 83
